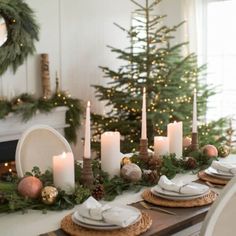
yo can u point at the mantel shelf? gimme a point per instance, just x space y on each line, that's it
12 127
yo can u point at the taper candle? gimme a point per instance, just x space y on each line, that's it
194 124
87 142
63 172
144 116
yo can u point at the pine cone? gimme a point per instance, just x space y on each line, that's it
191 163
98 192
150 176
154 163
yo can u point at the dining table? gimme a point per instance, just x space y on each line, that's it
186 221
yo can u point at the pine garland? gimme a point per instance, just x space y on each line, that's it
22 33
26 107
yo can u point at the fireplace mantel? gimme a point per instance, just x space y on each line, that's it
12 127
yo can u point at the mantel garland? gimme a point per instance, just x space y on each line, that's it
26 107
22 30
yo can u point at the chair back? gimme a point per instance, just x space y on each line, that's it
37 146
221 218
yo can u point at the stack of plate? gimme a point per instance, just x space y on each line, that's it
100 224
219 174
160 192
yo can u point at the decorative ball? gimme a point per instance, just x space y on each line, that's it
210 150
187 142
131 172
49 195
125 161
223 150
30 186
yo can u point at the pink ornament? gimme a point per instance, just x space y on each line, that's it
30 186
210 150
187 142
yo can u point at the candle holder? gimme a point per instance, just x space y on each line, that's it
143 152
87 173
194 143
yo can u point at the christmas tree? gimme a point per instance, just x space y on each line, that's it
152 61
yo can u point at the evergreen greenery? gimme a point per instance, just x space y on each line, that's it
153 61
26 107
22 33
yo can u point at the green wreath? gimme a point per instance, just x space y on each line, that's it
22 32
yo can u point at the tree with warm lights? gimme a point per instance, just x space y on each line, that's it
153 61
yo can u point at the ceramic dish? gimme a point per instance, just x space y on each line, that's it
202 190
99 224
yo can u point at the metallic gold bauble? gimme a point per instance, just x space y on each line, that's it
49 195
223 150
125 160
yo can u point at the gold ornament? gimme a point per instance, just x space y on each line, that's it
125 160
223 150
49 195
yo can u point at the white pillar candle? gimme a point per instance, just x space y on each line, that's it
63 172
144 116
87 142
161 146
175 136
194 124
110 153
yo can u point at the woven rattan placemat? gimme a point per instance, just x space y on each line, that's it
136 229
201 201
214 180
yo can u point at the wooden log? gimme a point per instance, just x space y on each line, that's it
45 75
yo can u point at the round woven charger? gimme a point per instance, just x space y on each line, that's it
201 201
136 229
214 180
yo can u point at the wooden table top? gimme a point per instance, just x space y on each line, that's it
164 224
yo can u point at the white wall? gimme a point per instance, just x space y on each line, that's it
75 33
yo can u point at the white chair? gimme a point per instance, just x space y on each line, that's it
37 146
221 218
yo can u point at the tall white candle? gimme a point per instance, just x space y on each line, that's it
161 146
87 142
175 136
144 116
63 172
194 124
110 153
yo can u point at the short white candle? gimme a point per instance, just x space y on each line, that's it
194 124
161 146
144 116
63 172
110 153
175 136
87 141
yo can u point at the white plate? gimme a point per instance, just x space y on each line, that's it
203 190
219 172
217 176
177 198
99 224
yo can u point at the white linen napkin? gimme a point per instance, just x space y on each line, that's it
167 184
94 210
225 167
